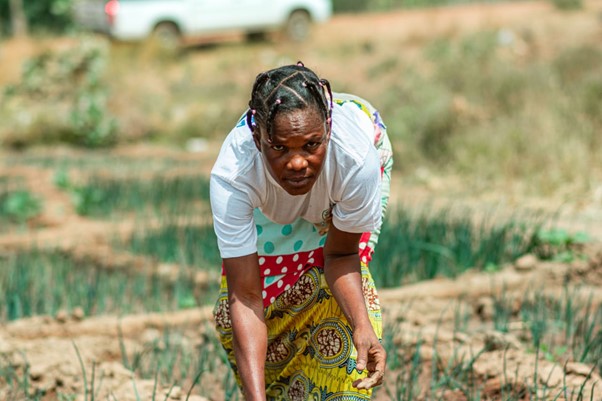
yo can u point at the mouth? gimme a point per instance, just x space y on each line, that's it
298 182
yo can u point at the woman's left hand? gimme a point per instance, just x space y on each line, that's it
371 355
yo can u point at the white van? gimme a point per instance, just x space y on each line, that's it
170 21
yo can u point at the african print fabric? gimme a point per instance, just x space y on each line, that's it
310 355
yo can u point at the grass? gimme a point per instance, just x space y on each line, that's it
477 107
183 244
406 382
388 5
421 245
15 376
5 190
413 246
572 325
90 162
103 197
17 204
419 378
561 329
171 359
43 283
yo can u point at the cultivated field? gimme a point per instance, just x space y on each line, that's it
489 267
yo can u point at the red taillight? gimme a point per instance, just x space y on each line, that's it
111 9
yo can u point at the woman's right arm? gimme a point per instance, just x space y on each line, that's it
248 323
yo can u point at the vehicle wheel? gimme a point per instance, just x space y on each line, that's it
298 26
167 36
256 36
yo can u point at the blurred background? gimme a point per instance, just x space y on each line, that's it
505 93
112 114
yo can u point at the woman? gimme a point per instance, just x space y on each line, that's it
298 193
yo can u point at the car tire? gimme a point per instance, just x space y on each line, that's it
167 36
298 26
256 36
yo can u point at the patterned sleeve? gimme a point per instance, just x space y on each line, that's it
385 153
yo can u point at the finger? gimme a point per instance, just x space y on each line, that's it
379 378
363 384
372 361
366 384
362 357
375 379
380 363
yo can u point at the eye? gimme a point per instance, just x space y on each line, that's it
312 145
278 148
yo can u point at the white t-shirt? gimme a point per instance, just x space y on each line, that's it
348 185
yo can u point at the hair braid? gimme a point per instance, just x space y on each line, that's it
286 89
271 115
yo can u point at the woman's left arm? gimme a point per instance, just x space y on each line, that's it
343 275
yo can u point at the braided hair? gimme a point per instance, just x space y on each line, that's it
285 89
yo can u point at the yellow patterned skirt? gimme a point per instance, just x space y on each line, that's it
310 353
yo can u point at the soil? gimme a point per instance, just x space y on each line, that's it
48 346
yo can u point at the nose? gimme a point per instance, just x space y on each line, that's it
297 162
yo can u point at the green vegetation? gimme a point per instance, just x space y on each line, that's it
481 103
101 196
17 204
412 247
342 6
561 328
571 325
568 4
564 329
559 245
56 15
62 97
458 377
41 15
419 246
466 104
89 162
21 206
17 379
345 6
171 360
42 283
188 245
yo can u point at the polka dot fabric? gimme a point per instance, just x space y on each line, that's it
287 251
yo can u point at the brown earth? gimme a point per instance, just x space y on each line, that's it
425 311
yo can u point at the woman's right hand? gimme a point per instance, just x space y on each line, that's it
371 355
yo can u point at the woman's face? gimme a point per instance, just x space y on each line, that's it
295 155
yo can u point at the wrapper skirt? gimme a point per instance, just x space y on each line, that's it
310 354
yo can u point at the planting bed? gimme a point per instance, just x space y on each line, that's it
109 266
118 301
